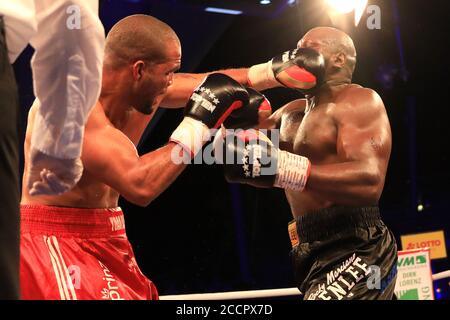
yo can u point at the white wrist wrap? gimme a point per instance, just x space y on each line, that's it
293 171
191 134
261 76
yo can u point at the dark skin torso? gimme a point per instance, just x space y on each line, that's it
345 133
311 134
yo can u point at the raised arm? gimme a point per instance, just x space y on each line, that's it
299 69
184 84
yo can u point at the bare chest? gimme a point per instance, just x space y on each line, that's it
312 134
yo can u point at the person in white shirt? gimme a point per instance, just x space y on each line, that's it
68 39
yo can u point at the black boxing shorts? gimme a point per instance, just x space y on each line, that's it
343 253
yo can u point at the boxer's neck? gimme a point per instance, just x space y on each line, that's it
328 90
115 99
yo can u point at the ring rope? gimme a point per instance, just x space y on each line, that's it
255 294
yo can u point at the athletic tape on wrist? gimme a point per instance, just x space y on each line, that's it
261 76
191 134
293 171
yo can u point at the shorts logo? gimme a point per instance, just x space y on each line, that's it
320 289
333 275
111 292
341 281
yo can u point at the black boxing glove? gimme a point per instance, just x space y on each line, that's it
249 116
209 105
250 157
301 68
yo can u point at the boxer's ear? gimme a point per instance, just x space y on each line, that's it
338 60
138 70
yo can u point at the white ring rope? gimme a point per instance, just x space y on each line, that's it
255 294
441 275
252 294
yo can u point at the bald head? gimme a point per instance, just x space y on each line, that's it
331 41
138 37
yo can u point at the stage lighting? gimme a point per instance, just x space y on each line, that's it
341 6
347 6
224 11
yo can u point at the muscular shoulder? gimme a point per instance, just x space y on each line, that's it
359 97
358 103
356 94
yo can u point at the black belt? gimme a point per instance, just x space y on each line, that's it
323 223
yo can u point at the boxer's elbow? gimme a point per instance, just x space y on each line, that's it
139 192
141 197
143 201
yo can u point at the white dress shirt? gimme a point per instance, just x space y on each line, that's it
67 66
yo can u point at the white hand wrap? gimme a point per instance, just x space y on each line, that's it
261 77
191 134
292 171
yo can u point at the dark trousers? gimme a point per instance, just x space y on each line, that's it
9 177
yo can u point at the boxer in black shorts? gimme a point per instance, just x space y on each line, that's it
332 160
344 253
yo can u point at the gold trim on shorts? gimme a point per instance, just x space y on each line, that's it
292 230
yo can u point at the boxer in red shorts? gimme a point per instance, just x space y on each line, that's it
75 253
74 245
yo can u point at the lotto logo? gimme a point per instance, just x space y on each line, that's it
434 240
423 244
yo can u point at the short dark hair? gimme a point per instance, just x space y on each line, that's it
137 37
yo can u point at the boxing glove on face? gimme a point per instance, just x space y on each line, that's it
249 116
301 68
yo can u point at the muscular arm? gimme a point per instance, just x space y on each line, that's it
184 83
111 157
363 144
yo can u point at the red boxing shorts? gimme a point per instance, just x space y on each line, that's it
74 253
